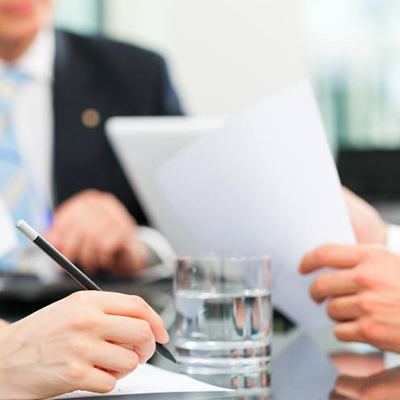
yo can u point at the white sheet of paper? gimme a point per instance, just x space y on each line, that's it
8 236
150 379
265 183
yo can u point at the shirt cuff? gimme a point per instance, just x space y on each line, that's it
158 248
393 239
392 360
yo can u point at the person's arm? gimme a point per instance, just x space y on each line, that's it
158 249
85 342
368 225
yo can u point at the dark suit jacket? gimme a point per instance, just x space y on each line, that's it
115 80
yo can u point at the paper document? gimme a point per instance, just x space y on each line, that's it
265 183
150 379
294 381
8 235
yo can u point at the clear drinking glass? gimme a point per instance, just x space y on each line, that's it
224 319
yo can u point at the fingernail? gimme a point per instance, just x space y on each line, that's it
165 337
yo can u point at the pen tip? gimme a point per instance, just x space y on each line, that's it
165 353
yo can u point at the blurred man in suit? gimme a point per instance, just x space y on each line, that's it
58 91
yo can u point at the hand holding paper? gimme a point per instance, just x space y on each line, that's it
265 183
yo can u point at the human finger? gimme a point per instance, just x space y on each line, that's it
344 308
132 258
88 256
69 242
118 329
111 244
336 256
65 218
334 284
351 387
53 237
145 343
349 332
134 307
94 380
115 358
132 334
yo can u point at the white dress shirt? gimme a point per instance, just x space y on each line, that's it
393 244
32 112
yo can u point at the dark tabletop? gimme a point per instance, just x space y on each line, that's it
302 371
305 372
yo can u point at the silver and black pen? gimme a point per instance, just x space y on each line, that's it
73 270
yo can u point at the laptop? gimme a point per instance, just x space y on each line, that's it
143 144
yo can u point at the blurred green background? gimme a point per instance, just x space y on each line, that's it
355 64
85 16
353 58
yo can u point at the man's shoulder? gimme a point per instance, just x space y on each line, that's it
101 48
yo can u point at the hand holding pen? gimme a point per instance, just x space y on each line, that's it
74 272
87 341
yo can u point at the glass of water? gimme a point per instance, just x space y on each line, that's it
224 319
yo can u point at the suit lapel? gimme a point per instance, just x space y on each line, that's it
74 93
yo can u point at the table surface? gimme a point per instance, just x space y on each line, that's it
303 371
303 367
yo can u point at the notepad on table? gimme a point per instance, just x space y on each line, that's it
149 379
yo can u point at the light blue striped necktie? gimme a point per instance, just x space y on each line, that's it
15 187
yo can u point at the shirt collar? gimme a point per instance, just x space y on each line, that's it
38 61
